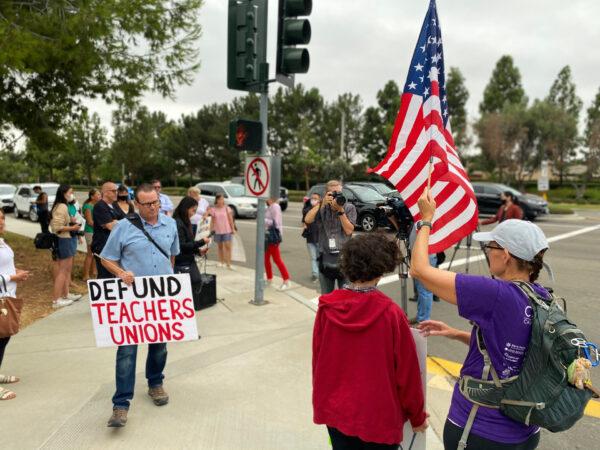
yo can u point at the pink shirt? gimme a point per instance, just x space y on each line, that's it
273 216
221 221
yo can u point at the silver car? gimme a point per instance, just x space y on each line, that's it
7 192
235 197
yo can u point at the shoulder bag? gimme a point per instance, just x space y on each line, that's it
10 316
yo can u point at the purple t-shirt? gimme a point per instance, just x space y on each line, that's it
503 313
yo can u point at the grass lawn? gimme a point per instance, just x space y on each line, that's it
37 290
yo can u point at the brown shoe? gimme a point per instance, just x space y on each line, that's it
118 418
158 395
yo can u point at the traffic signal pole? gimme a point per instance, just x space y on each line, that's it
259 271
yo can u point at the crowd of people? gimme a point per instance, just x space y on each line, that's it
368 408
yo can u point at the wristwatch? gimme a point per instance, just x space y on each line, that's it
424 223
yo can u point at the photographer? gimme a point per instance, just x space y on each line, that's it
335 219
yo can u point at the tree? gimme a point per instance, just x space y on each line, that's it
388 100
55 54
592 139
458 95
504 87
562 95
350 106
373 144
89 140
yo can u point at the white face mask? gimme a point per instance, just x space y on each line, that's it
314 202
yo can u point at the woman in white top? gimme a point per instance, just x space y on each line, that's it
9 276
201 212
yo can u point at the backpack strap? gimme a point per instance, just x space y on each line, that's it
488 369
137 222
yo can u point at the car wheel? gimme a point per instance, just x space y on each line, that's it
33 216
368 222
17 213
283 206
235 213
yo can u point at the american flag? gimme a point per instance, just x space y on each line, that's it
422 133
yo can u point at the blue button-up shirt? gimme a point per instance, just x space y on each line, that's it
128 245
166 205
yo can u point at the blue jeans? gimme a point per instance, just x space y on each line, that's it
313 252
125 371
424 297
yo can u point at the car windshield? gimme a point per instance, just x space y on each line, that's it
367 195
235 190
381 188
4 190
509 189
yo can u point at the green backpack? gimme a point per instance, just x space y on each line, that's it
541 394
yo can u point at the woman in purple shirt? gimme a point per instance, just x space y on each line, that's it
499 308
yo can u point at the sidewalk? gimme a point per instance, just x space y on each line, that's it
246 384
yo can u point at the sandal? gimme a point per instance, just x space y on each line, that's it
5 394
7 379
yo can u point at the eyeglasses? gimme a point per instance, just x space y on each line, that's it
157 187
492 247
154 204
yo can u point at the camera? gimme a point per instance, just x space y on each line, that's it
339 198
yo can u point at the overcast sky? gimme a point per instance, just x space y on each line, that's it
358 45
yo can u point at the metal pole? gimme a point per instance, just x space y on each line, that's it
260 215
342 135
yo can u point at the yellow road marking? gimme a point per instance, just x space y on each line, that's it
439 366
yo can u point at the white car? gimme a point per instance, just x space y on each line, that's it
25 198
7 192
235 197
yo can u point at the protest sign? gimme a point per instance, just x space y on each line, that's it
420 442
151 310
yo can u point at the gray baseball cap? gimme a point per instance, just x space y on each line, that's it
521 238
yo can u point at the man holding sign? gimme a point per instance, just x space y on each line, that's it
140 246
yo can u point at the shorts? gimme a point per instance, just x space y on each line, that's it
223 237
67 247
88 238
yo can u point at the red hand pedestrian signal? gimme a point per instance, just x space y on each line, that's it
245 135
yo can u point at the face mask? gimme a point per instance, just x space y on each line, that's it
123 198
314 202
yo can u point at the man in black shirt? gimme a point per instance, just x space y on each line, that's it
105 217
41 205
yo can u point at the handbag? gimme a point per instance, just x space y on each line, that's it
329 264
10 316
191 269
45 241
273 235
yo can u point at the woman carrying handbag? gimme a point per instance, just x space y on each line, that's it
274 225
10 306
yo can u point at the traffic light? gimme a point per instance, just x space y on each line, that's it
247 68
245 135
292 31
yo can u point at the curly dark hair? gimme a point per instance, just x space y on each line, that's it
369 256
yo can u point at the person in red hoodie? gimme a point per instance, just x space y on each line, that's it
366 377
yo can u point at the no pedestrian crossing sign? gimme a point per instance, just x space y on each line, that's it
262 176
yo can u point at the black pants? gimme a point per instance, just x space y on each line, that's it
3 344
342 442
43 220
453 433
102 272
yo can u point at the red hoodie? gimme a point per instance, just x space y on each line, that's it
366 379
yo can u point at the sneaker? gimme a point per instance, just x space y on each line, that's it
268 283
220 264
73 297
285 285
412 299
436 298
118 418
229 267
61 302
158 395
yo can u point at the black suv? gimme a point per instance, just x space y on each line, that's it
488 200
370 205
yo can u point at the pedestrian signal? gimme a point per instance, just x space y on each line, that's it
245 135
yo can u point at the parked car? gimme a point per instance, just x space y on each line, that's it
7 193
283 192
488 199
235 197
25 199
371 208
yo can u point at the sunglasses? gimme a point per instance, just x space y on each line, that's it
493 247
